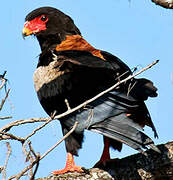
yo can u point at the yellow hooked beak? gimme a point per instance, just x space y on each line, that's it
26 32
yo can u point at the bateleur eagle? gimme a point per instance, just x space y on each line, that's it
71 71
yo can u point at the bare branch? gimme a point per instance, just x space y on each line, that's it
36 168
31 149
37 129
7 117
45 154
31 158
3 100
3 80
43 125
67 104
7 159
7 127
10 136
164 3
53 147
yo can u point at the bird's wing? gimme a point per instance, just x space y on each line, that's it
75 75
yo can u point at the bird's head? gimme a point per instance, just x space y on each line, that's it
49 25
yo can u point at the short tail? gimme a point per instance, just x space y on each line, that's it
142 88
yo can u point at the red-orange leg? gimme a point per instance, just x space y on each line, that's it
69 167
105 155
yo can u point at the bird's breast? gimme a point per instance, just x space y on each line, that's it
48 80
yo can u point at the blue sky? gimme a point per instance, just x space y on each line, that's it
138 32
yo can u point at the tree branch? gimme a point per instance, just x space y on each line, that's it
154 166
7 117
8 136
53 147
164 3
9 150
3 100
38 158
3 80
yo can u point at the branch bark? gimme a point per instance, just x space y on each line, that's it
154 166
168 4
3 100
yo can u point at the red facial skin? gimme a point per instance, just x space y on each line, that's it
36 25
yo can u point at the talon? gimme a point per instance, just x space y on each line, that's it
65 170
70 166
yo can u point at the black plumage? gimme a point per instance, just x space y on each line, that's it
70 69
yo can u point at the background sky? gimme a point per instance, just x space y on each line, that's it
138 32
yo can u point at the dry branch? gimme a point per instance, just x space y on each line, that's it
7 117
154 166
164 3
8 136
36 168
38 158
53 147
3 80
38 128
29 156
7 159
3 100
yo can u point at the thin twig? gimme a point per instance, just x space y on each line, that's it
31 149
67 104
3 100
30 173
43 125
31 158
45 154
26 153
36 168
7 159
7 117
131 86
7 127
3 80
53 147
6 136
38 128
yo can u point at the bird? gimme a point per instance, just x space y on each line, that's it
71 71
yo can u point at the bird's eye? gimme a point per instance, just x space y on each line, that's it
43 18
